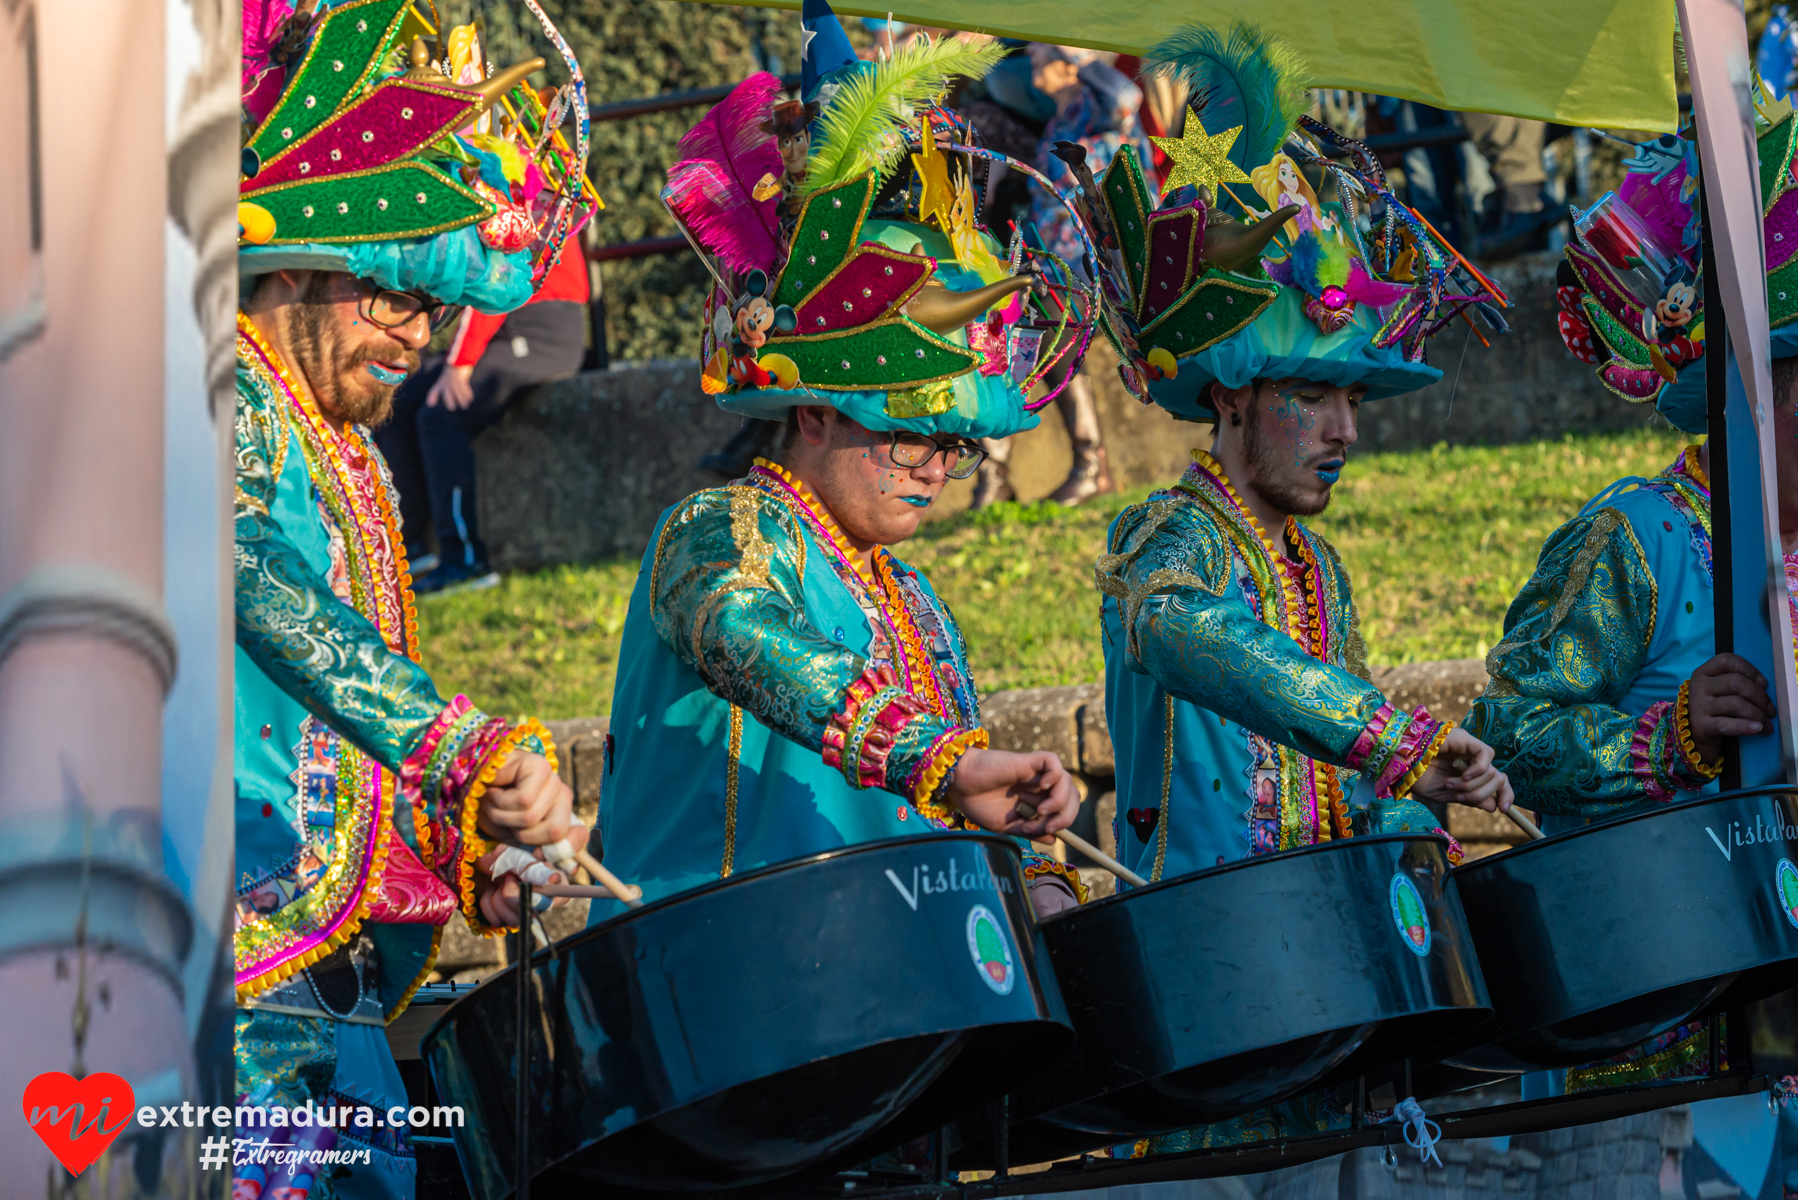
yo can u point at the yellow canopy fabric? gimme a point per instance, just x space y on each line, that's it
1607 63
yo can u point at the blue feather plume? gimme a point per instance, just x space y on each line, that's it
1243 77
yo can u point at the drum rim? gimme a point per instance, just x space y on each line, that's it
1611 822
1244 863
610 924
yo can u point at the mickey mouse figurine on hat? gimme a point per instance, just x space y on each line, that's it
747 323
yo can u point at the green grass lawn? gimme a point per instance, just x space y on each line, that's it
1437 543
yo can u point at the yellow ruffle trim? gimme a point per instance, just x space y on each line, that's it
1688 750
1060 870
371 887
473 844
947 755
1404 785
418 981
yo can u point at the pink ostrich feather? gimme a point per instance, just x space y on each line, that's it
712 187
262 22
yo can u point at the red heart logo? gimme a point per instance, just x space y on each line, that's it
72 1115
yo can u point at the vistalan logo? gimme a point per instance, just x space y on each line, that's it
950 879
1740 833
85 1105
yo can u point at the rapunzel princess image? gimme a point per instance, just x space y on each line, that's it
1280 182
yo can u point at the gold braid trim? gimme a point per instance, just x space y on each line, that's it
1167 785
730 792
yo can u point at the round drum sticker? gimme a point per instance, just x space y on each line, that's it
1409 915
990 950
1785 886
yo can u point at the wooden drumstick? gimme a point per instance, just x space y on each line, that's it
574 891
1104 860
632 896
1517 818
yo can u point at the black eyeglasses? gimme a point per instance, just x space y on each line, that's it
390 309
913 450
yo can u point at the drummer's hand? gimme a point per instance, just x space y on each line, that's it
1049 895
989 783
497 899
526 803
1476 782
1727 698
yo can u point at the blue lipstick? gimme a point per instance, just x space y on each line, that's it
386 376
1330 472
917 501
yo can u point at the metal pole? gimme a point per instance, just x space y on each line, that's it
1002 1139
521 1101
1716 397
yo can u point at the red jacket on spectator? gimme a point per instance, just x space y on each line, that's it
567 280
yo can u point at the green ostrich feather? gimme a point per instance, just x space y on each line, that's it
862 129
1243 77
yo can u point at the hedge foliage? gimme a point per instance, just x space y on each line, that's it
630 49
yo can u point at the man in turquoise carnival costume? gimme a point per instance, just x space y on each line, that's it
787 685
389 177
1237 690
1606 695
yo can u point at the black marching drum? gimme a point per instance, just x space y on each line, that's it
812 1012
1596 940
1205 997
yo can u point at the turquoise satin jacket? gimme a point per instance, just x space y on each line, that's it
747 626
1618 614
1236 689
327 705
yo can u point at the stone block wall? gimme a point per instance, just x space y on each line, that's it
580 470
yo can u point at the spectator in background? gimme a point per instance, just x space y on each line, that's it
1097 106
1512 148
438 411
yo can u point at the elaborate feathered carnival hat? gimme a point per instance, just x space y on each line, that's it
848 262
381 145
1631 289
1240 270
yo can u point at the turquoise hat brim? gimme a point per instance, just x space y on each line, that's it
985 406
455 267
1684 403
1283 343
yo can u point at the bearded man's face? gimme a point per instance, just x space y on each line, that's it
351 364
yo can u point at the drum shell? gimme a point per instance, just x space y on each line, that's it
1596 940
1274 969
666 1034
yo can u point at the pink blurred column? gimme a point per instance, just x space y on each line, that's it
92 936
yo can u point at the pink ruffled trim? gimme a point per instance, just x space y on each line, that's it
1413 743
1368 740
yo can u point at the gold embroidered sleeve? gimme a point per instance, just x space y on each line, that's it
1171 572
727 596
1575 639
